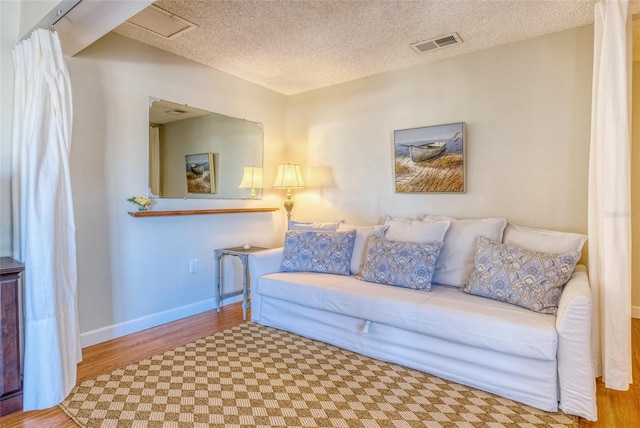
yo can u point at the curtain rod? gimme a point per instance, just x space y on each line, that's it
55 15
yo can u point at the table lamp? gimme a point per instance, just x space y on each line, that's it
251 179
288 177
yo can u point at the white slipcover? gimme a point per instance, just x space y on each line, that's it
537 359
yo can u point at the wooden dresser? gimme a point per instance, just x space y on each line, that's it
11 379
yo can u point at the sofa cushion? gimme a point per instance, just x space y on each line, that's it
416 230
545 241
444 312
330 226
525 278
403 264
458 253
360 244
318 251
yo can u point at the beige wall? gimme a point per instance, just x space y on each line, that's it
133 272
9 27
527 112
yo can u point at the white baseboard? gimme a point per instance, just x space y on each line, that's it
133 326
635 311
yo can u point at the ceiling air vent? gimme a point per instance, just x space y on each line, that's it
162 23
176 112
437 43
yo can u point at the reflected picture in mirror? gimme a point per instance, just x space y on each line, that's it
219 147
201 175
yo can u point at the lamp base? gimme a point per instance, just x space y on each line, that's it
288 206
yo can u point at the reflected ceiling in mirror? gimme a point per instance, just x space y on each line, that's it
197 154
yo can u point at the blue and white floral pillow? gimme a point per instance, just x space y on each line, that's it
404 264
318 251
521 277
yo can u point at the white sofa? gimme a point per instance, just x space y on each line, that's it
538 359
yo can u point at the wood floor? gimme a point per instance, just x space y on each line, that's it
615 408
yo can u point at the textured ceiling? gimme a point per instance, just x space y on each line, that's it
293 46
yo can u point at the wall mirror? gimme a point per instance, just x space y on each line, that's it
196 154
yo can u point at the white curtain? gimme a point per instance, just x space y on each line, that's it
44 226
609 195
154 159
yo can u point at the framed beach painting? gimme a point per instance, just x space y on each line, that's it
430 159
201 176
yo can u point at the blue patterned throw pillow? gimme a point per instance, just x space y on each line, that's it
404 264
521 277
317 251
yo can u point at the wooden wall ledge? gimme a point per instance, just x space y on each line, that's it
199 212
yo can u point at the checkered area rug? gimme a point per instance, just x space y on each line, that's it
255 376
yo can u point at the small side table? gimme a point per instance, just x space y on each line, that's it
243 255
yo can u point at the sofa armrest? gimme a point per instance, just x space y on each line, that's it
575 366
264 262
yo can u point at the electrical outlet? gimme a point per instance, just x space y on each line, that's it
193 266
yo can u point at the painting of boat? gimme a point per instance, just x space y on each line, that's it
200 169
197 168
430 159
425 152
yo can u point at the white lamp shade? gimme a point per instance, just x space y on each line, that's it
251 178
288 177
